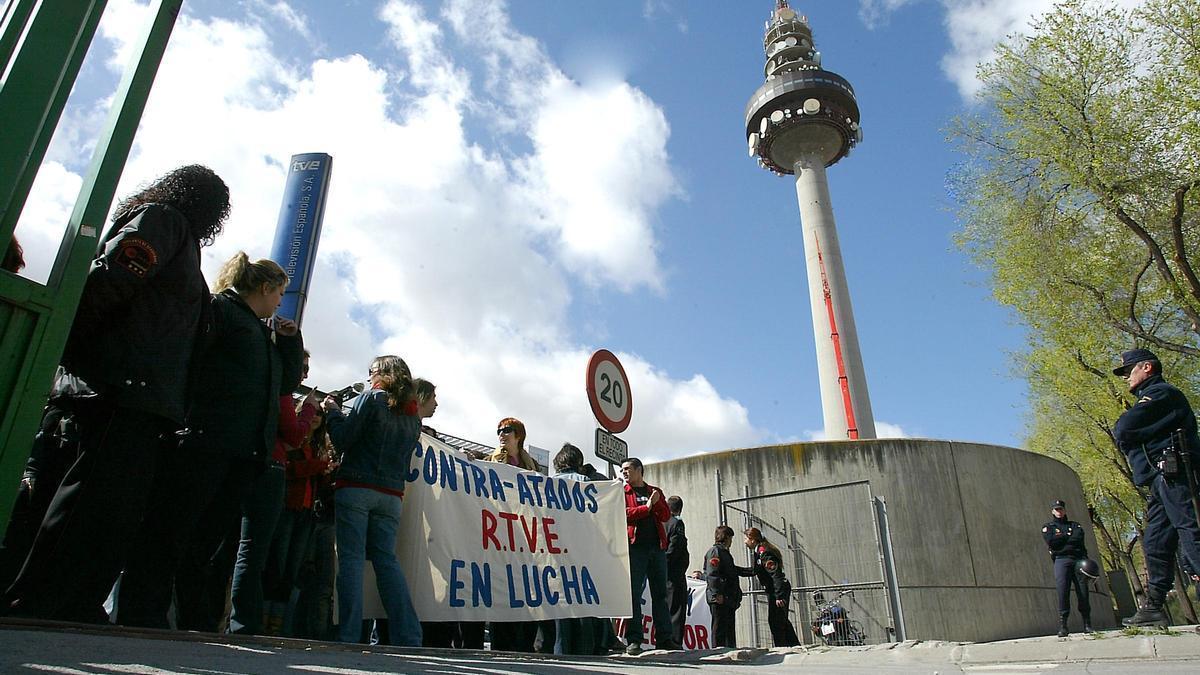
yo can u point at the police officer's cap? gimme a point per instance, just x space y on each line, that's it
1132 357
1058 504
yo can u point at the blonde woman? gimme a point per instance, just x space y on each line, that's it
204 480
377 440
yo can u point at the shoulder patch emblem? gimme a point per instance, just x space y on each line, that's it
715 562
137 256
761 548
770 565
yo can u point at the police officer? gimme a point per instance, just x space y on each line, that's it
1145 433
1064 538
767 565
724 593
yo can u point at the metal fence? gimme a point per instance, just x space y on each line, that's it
835 543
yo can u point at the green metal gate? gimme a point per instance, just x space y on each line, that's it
42 45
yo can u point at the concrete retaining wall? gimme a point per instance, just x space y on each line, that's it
965 521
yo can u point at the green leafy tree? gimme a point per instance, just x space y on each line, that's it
1080 197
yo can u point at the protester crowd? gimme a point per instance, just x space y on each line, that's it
176 480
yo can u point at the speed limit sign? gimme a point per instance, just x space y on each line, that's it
608 391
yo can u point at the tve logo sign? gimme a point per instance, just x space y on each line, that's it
311 165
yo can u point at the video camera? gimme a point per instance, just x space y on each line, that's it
341 395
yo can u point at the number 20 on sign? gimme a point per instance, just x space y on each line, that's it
608 391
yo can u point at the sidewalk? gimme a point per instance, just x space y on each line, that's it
34 646
1177 643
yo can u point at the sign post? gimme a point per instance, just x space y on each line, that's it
612 404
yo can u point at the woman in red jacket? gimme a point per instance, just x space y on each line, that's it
296 523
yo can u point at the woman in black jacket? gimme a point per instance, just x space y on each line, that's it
243 366
121 386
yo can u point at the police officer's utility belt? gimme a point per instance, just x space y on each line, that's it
1168 456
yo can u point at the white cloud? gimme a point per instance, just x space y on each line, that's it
455 254
875 13
976 27
598 190
44 218
889 430
286 14
651 9
599 168
882 430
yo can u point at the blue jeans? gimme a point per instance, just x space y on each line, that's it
260 513
648 563
366 530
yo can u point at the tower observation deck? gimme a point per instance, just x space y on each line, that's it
800 121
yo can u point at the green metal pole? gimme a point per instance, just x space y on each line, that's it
12 25
78 248
35 90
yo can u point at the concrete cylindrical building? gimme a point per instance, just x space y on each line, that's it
964 520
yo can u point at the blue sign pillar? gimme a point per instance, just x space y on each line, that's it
299 229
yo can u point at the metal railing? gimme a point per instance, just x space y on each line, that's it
833 538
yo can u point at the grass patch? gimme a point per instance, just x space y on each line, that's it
1132 630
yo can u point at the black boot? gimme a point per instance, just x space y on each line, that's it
1151 612
1062 625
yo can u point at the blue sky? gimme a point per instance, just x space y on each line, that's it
518 184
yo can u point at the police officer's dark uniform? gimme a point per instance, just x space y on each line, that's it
722 575
1064 538
767 565
1145 434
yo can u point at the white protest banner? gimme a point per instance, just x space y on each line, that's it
697 633
486 541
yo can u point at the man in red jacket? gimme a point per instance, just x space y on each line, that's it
645 513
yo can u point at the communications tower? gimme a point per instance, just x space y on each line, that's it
801 120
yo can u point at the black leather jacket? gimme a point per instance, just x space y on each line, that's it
768 567
135 329
722 575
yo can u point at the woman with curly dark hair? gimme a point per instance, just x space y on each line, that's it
121 386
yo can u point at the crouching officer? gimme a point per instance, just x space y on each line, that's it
1064 538
724 593
767 565
1157 434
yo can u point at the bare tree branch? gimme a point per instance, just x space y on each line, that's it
1177 237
